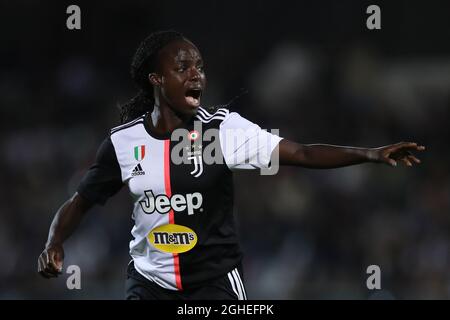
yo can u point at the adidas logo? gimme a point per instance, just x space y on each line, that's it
137 171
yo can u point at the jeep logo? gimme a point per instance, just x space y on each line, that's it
178 202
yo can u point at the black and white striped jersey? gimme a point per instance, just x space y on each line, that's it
184 232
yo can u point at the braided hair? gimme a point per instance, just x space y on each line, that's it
144 63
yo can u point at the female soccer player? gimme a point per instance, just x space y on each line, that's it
185 244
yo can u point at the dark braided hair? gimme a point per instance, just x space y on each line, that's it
144 63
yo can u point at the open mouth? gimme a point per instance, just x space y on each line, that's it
193 96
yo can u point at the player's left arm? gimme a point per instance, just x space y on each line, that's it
325 156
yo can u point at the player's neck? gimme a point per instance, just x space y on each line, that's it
164 120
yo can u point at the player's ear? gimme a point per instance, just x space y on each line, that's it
154 79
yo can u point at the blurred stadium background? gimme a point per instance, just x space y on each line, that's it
312 70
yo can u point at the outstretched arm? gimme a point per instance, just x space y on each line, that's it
67 218
324 156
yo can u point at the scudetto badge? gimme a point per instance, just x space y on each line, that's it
172 238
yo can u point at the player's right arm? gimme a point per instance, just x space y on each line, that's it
66 219
102 181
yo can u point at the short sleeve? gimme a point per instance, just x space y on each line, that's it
103 179
244 144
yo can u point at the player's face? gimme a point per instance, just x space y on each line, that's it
181 75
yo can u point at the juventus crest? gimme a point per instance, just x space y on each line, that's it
198 165
195 154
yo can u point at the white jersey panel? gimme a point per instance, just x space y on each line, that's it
141 159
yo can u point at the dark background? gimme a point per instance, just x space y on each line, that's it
311 68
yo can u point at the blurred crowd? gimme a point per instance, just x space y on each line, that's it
315 73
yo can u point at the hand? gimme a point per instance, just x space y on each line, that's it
50 261
392 153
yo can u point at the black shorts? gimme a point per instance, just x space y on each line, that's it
228 287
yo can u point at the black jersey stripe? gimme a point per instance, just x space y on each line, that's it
238 286
238 276
127 126
203 111
218 109
203 114
127 123
211 119
224 110
206 114
233 285
221 114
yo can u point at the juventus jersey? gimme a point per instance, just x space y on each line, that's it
184 232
